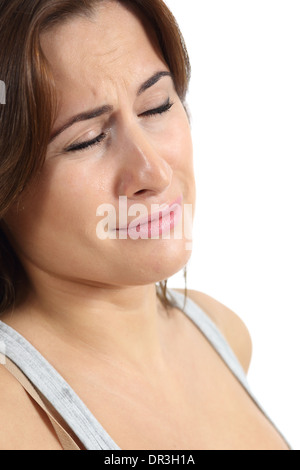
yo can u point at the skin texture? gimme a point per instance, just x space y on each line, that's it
93 301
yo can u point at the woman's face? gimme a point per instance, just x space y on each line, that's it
128 141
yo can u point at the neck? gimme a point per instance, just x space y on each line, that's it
119 323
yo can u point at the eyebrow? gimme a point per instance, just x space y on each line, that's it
152 80
97 112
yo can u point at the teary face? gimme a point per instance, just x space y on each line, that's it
132 139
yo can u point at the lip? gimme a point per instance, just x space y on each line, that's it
153 217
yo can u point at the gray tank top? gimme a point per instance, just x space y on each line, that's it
70 407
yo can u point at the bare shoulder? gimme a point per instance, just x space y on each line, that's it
228 322
23 426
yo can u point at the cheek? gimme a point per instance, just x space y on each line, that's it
176 135
179 148
64 202
176 144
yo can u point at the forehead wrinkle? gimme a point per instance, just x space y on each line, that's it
94 69
106 77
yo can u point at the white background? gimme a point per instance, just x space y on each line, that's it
245 104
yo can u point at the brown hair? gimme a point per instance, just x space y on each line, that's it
27 118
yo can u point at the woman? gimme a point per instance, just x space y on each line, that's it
95 117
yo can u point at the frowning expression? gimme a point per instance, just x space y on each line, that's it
121 130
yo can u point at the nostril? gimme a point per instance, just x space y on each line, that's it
142 191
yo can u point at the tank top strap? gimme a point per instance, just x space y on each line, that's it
67 403
219 343
55 389
65 439
211 332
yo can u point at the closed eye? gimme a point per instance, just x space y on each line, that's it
98 140
162 109
85 145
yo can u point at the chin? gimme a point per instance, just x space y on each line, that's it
163 260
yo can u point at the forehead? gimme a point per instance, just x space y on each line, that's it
112 48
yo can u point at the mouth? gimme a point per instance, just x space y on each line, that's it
156 224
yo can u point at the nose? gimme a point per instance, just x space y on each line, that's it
143 170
